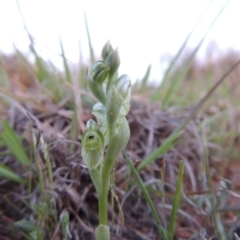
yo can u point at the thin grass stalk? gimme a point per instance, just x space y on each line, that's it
65 64
215 214
144 81
163 190
50 178
177 198
161 230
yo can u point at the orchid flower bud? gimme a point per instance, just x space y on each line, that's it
106 49
113 62
92 145
99 71
96 88
99 111
96 76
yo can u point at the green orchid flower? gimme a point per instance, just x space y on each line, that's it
92 145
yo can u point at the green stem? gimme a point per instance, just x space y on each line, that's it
103 198
117 143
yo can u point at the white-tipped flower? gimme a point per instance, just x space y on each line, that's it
92 145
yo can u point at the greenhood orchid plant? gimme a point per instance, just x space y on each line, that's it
111 130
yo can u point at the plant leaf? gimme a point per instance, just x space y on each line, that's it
12 141
8 173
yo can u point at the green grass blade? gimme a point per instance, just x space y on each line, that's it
145 79
66 68
166 144
12 141
26 226
147 197
92 55
74 126
177 198
8 173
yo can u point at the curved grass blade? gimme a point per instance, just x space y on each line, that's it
147 197
176 201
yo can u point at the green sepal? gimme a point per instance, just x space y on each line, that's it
99 111
113 106
92 145
123 85
97 179
119 140
102 232
124 109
